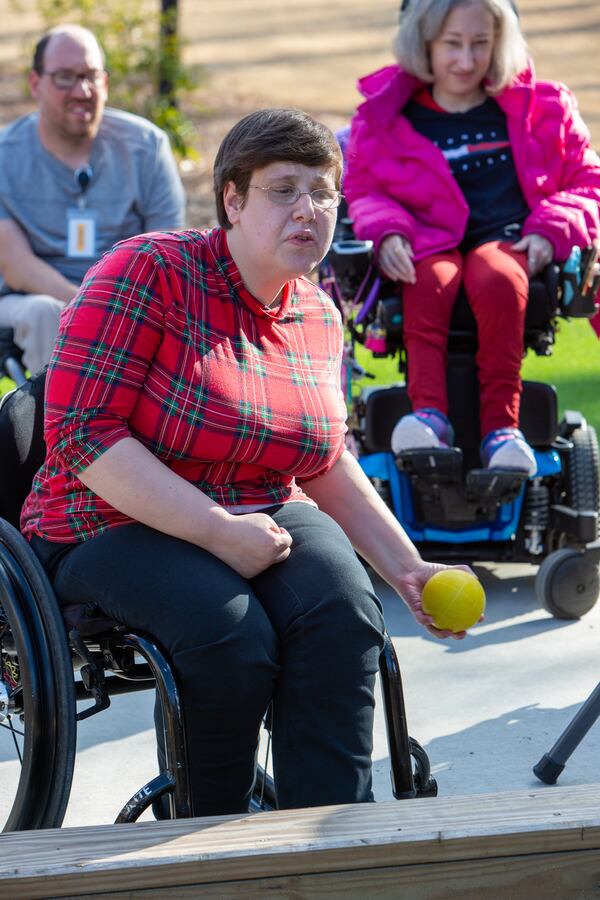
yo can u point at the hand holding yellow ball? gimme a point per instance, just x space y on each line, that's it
454 599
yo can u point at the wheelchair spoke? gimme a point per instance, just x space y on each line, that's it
14 733
11 678
37 693
13 759
13 730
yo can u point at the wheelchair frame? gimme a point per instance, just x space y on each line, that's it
39 659
477 515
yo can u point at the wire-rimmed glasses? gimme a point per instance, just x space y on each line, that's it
286 195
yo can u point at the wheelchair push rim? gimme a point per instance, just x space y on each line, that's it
37 721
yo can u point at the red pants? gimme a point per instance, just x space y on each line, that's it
496 284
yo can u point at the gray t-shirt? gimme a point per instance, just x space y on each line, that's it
135 187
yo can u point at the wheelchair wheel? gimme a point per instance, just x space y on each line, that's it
567 583
583 472
37 693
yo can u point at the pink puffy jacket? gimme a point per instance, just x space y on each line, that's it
398 182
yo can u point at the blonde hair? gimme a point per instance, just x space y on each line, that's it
423 21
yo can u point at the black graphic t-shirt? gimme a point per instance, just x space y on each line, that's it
476 146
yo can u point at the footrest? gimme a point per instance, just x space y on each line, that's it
433 465
442 499
497 486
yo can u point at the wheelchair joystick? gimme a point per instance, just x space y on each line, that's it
571 276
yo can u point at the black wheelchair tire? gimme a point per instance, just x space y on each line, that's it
46 669
567 583
583 472
22 811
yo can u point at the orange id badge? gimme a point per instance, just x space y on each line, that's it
81 233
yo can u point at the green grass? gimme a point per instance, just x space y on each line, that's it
6 385
573 368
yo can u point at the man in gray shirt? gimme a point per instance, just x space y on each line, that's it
75 177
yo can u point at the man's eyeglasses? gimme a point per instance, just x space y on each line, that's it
286 195
66 79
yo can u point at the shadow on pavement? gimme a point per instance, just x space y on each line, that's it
127 715
499 754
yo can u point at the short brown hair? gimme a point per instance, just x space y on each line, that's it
267 136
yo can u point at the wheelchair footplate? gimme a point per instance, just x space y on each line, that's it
432 464
443 497
498 485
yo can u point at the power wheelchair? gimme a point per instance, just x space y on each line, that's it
51 657
452 508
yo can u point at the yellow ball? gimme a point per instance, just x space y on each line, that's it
454 599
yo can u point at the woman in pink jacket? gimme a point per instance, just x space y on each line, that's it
462 168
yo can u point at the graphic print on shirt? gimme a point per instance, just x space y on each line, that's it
476 151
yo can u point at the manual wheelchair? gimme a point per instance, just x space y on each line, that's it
452 508
44 648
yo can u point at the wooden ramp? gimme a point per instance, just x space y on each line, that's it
543 843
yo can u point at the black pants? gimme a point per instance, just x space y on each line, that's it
307 634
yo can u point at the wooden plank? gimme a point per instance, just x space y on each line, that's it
567 876
210 851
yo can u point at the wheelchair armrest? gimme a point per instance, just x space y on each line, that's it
579 283
352 264
551 278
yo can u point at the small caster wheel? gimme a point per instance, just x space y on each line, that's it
568 583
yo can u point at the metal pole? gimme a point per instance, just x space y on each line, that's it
168 50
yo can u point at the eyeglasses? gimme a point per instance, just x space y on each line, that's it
66 79
286 195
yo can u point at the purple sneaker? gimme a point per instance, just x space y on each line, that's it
506 448
422 429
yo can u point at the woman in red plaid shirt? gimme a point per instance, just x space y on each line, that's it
196 485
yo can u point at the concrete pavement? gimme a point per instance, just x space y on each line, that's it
487 708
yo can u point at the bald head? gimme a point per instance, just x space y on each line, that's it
77 33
